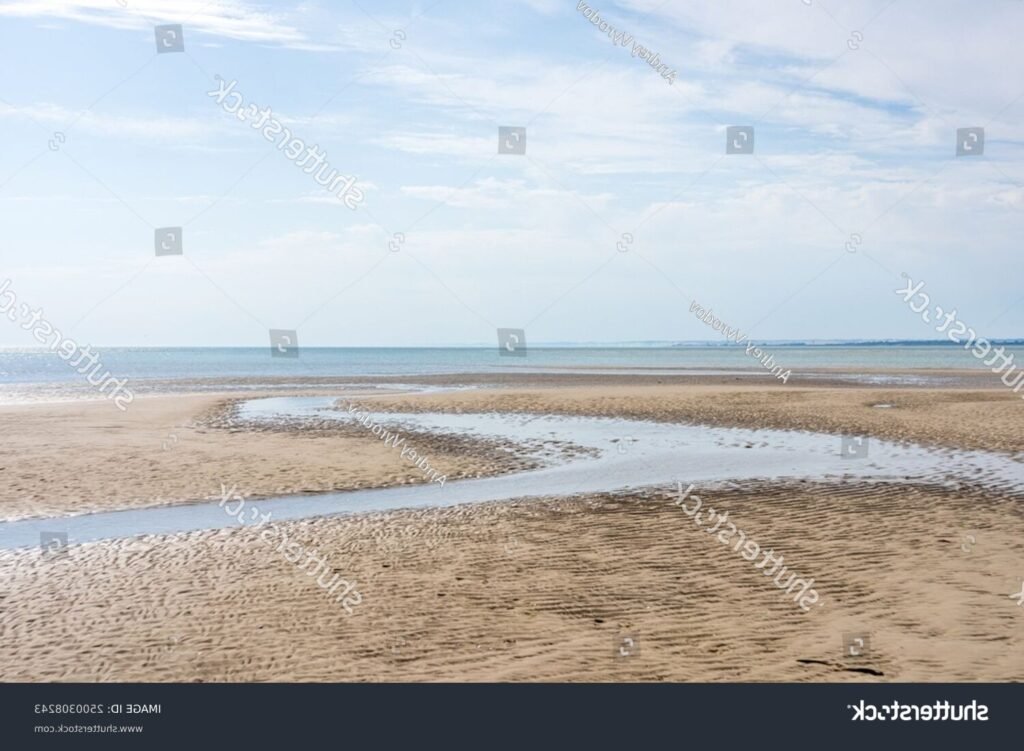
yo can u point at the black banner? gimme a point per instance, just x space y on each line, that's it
156 716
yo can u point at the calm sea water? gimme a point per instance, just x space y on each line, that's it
27 366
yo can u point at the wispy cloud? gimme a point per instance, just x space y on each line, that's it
224 18
114 126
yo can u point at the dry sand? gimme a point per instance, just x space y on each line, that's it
542 590
72 458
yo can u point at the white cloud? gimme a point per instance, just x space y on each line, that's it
98 123
610 145
495 193
225 18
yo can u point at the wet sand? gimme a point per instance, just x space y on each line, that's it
539 590
79 457
544 591
988 419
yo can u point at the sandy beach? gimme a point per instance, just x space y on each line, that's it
599 587
354 353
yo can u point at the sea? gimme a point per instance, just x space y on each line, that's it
34 373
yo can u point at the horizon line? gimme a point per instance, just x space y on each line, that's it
628 344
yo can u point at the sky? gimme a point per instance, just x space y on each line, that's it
623 211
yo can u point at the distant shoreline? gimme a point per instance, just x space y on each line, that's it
654 345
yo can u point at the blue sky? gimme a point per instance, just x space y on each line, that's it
855 107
